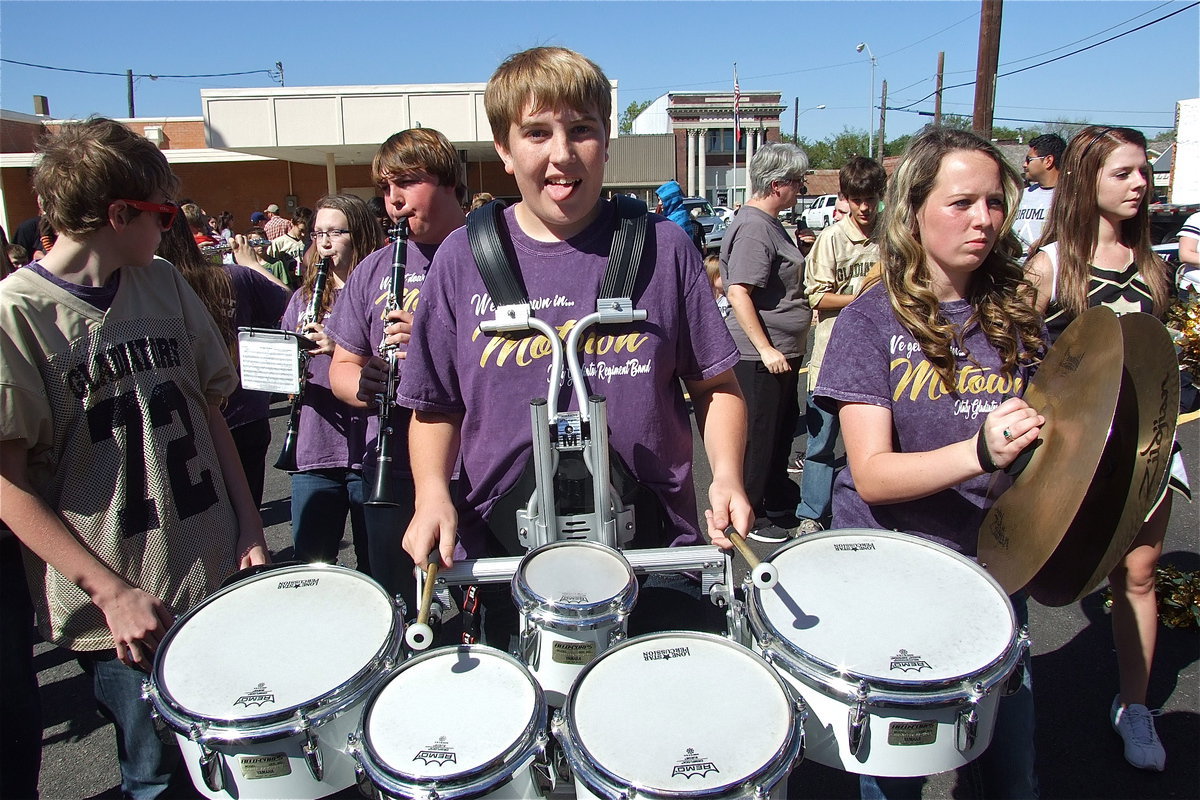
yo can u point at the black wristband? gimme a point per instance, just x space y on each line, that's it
982 453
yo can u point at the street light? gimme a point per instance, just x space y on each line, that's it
871 101
796 119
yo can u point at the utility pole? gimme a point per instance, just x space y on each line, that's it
985 72
279 66
129 91
882 120
796 124
937 104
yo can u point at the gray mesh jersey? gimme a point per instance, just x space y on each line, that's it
113 408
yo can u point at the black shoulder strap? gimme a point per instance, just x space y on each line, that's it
483 232
626 254
504 285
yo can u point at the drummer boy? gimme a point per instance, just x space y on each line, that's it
551 115
117 471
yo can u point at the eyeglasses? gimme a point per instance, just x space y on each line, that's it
337 233
166 211
1032 158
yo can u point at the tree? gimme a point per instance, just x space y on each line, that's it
631 112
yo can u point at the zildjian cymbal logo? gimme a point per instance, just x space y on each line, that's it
693 764
258 696
440 753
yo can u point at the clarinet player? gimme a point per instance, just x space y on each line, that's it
327 479
420 176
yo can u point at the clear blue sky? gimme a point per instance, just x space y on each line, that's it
802 49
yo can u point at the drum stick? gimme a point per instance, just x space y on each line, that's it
763 575
420 635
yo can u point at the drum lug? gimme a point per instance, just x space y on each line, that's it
312 755
857 719
529 646
967 726
543 768
616 636
211 764
1017 678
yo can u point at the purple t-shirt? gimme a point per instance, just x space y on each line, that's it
332 435
453 367
258 303
873 359
357 323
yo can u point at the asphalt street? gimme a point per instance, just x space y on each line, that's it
1074 674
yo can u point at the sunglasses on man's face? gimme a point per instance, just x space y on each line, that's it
166 211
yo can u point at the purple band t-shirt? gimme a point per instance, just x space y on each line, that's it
332 435
873 359
257 303
357 324
453 367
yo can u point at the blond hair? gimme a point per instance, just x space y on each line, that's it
998 292
545 77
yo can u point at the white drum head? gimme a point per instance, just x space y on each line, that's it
277 641
887 606
575 574
678 712
449 713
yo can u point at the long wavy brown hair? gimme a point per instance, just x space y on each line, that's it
1075 217
998 292
365 238
210 281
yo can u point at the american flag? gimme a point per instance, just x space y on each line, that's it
737 103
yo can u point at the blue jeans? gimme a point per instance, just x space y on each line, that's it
816 486
1006 768
321 498
146 761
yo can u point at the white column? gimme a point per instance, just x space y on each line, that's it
691 162
702 188
750 148
331 173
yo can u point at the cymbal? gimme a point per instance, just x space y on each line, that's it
1076 389
1132 471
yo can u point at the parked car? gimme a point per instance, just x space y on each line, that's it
724 213
714 225
820 213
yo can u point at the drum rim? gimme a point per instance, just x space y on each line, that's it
467 783
280 723
552 612
821 674
604 781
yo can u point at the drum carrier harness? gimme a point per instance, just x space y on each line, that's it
572 464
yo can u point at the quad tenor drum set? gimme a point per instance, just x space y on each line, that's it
842 646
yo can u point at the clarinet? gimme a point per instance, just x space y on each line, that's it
383 492
287 456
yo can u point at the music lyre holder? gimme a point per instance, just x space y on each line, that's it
610 522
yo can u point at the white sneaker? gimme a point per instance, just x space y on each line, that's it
807 526
1135 724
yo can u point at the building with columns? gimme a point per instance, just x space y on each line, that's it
706 146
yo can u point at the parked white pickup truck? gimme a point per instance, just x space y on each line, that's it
820 213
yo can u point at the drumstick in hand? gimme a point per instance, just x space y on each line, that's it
419 635
763 575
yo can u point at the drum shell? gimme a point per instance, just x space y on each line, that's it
253 750
596 780
506 775
559 638
910 727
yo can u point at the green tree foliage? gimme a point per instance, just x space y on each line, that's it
631 111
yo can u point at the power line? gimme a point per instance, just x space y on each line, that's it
1036 121
1057 58
268 72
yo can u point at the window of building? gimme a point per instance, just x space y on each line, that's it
721 141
